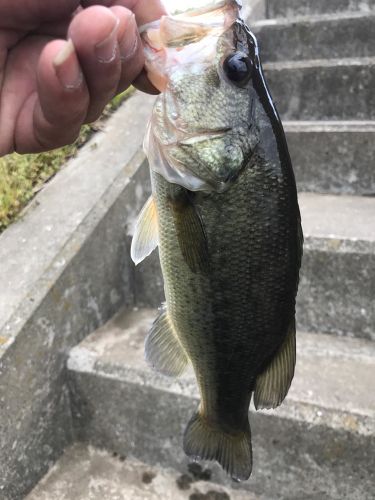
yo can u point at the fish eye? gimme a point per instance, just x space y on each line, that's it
238 67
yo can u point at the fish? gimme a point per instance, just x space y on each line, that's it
224 214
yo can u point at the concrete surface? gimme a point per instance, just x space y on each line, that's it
254 9
333 157
329 36
289 8
62 207
317 445
87 473
348 218
65 270
337 287
328 156
323 89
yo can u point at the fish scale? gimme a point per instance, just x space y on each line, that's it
198 306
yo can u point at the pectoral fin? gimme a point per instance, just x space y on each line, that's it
273 384
190 232
163 349
145 238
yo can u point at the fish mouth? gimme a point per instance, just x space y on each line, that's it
199 136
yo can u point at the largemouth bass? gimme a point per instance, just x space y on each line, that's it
225 215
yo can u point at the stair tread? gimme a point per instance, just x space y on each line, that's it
326 388
313 19
329 125
338 217
319 63
285 8
85 472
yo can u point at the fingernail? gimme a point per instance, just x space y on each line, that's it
67 68
106 50
129 43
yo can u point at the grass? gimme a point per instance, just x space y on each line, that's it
22 176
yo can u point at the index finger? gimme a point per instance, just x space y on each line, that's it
145 11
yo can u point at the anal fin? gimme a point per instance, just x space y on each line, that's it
273 384
146 234
163 350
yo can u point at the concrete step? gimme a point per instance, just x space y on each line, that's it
330 36
318 444
333 157
289 8
337 287
87 473
322 89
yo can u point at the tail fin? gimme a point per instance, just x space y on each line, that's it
204 441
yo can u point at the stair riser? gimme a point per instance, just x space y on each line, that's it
288 8
324 93
136 419
317 40
336 293
333 162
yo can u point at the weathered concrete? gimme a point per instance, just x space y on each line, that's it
331 36
87 473
317 445
290 8
254 9
65 270
337 288
328 157
61 207
335 89
75 273
333 157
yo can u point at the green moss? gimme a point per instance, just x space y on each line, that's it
22 176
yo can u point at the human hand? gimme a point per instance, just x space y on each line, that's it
49 86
